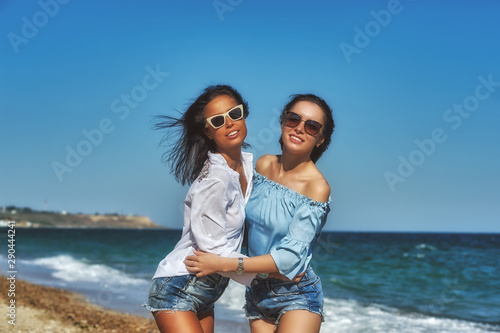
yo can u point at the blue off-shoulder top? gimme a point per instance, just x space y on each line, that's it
284 223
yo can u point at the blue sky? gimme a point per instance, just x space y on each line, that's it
414 85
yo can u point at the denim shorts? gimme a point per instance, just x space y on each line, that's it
186 293
271 298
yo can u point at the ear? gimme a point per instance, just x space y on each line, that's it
320 142
207 133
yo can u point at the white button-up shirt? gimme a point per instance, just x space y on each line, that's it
214 216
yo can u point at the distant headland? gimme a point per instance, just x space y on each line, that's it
29 218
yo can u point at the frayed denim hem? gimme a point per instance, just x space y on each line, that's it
277 321
299 308
156 311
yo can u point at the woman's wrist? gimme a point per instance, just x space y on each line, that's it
229 264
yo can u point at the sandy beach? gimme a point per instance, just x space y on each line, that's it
45 309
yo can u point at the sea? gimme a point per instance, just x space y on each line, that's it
372 282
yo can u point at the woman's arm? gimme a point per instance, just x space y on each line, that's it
203 263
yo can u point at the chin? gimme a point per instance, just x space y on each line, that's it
231 143
301 148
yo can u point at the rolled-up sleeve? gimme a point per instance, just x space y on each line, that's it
293 254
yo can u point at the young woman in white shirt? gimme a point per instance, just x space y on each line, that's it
208 156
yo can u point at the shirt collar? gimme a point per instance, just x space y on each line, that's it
246 158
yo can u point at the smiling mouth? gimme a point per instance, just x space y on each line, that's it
233 133
296 138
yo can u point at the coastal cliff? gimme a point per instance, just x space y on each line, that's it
34 219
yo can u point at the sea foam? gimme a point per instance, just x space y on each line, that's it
115 288
70 269
349 316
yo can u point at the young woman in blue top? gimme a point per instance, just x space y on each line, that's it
208 156
286 212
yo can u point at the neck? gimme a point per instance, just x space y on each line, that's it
294 163
232 157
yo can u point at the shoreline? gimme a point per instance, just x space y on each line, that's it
41 309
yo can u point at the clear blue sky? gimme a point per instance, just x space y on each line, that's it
415 88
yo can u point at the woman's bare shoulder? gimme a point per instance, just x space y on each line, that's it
318 188
265 163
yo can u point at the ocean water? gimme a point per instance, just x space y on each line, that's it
373 282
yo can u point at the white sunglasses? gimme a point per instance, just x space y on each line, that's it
219 120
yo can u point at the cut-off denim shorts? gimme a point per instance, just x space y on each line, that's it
186 293
269 299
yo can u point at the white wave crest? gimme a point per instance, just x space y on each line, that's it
69 269
424 246
349 316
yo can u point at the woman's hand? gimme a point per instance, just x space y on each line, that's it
203 263
284 278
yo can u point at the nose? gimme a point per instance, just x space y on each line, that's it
300 127
229 121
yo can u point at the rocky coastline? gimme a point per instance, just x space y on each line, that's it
35 219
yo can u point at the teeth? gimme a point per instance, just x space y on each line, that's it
232 133
296 138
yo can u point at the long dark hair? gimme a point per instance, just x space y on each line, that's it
187 155
329 124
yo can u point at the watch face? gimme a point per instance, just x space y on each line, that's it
240 270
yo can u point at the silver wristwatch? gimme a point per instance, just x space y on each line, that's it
240 270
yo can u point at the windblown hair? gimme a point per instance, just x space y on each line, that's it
187 155
328 126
